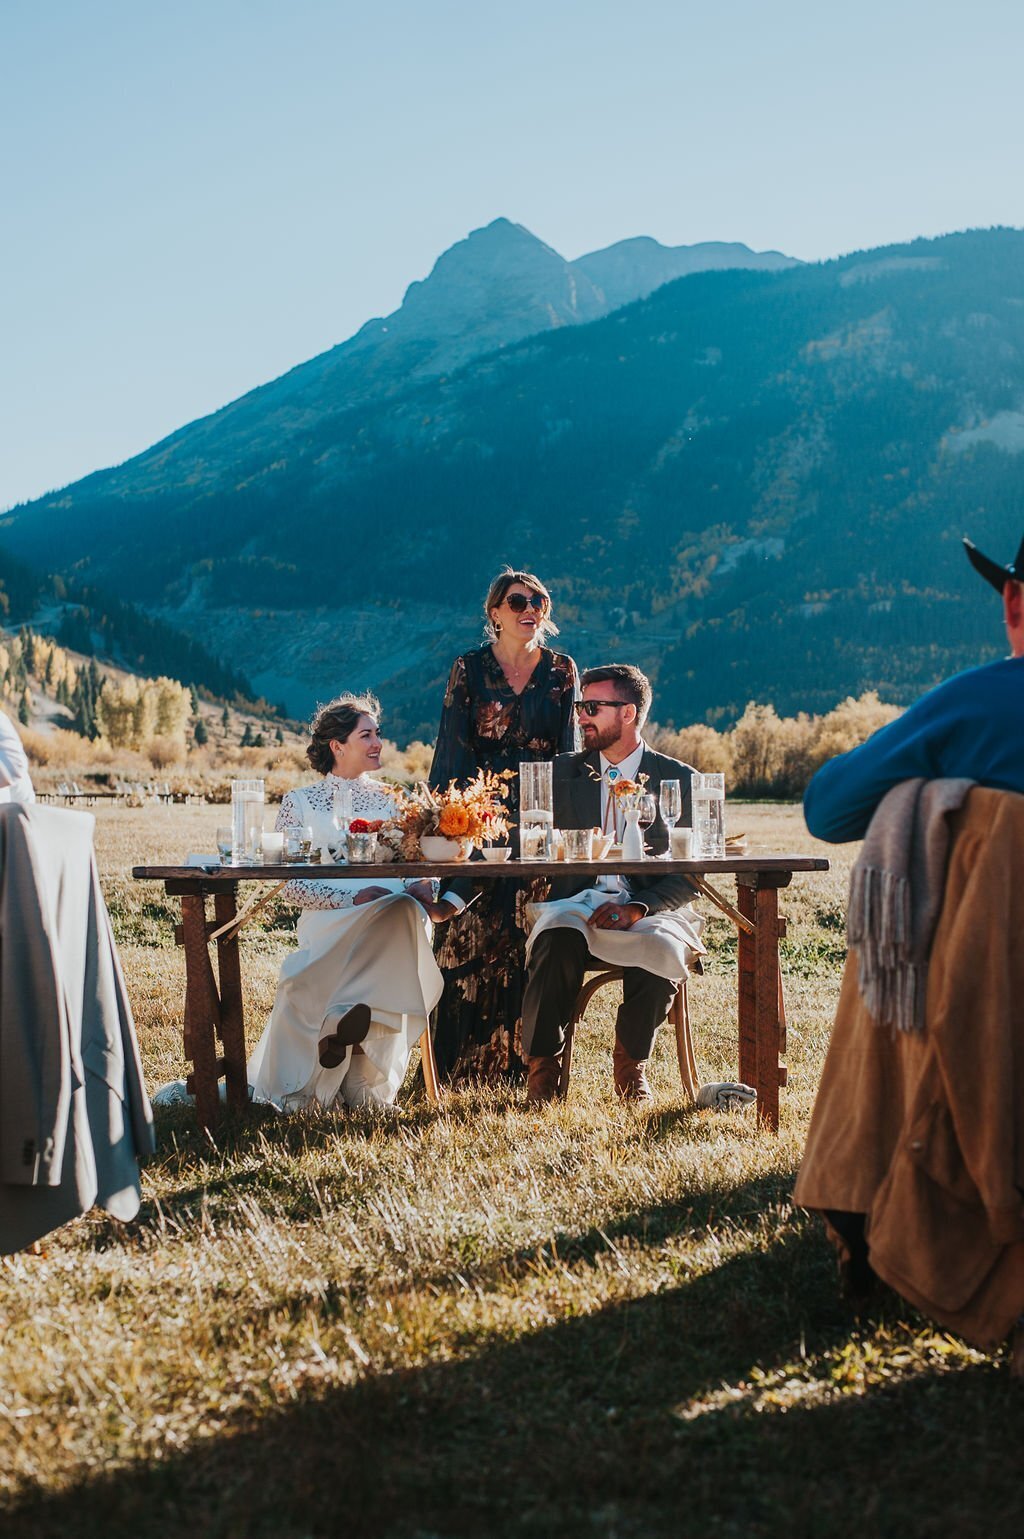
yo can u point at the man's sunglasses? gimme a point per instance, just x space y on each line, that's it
518 602
591 707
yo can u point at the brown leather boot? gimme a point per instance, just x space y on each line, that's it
542 1080
630 1076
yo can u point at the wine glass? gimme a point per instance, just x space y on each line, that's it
671 802
648 811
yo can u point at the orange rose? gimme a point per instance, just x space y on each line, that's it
453 822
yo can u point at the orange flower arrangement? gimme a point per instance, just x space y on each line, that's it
475 812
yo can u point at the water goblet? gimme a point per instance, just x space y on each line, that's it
224 844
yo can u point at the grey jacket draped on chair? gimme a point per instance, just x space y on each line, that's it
74 1116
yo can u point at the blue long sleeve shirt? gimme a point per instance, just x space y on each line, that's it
971 725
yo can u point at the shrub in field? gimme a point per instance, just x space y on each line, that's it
39 746
766 754
771 753
850 723
407 764
699 745
163 752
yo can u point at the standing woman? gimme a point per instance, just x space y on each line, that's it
508 700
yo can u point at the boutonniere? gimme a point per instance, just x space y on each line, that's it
629 792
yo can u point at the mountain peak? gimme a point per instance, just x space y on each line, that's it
632 269
501 280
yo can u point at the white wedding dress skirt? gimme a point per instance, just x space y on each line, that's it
377 954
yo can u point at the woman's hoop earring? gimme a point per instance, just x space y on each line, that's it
497 627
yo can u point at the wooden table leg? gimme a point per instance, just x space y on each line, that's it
760 990
202 1010
232 1021
747 987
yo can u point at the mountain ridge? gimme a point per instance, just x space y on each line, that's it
751 482
497 286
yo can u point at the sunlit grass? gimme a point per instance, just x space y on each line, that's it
472 1319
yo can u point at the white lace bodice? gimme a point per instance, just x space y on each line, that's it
314 806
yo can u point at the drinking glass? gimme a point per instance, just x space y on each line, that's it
648 811
292 846
670 799
224 844
708 793
247 798
536 810
579 843
342 810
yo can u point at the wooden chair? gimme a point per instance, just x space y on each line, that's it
679 1015
428 1064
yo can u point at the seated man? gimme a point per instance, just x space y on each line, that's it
970 726
616 700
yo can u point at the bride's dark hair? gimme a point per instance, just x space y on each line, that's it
336 721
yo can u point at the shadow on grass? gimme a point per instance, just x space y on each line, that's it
575 1430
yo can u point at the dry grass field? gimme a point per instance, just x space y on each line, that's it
474 1320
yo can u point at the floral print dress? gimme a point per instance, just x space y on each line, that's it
482 953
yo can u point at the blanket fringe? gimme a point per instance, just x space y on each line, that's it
878 927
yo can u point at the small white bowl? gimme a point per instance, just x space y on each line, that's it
496 852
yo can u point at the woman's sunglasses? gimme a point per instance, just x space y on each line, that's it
591 707
518 602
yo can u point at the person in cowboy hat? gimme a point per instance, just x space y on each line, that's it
972 726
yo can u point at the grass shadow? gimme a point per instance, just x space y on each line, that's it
613 1424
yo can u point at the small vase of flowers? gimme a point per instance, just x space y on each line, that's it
629 796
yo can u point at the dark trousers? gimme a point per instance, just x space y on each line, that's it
557 965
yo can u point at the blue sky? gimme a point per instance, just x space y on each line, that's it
196 196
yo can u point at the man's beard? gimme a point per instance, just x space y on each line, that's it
601 737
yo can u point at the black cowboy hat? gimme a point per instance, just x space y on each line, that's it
992 572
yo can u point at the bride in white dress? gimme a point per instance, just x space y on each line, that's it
357 994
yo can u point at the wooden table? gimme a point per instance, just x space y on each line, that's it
213 1001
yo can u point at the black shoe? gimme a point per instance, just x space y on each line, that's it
351 1028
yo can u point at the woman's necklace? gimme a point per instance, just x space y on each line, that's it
515 672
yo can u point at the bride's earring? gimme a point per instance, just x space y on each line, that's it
497 627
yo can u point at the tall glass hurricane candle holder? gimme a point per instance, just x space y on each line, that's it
536 810
247 799
708 792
